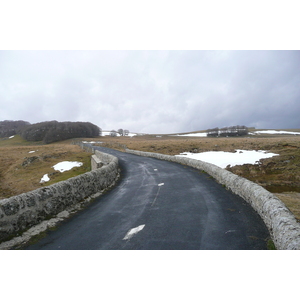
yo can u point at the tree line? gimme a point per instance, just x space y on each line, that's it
228 131
54 131
9 128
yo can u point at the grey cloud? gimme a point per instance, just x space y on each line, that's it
152 91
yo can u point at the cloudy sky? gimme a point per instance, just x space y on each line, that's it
153 91
149 88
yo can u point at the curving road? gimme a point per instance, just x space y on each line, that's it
161 205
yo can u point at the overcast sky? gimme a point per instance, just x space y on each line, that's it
153 91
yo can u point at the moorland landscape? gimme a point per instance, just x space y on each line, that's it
23 163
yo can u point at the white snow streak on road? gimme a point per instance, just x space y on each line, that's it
133 231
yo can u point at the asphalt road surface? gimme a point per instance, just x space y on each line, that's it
160 205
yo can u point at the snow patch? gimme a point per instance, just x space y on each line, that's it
11 137
204 134
45 178
223 159
62 167
66 165
274 132
199 134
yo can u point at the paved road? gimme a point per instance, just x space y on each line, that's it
161 205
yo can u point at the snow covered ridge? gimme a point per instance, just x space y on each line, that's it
273 132
204 134
199 134
62 167
223 159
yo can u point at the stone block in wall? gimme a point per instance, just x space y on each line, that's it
96 163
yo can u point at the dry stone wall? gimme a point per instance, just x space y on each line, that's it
281 223
19 213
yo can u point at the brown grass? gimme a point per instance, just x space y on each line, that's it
280 174
16 178
175 145
292 201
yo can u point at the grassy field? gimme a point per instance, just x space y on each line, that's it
279 174
21 171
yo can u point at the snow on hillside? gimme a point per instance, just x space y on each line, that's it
273 132
223 159
203 134
199 134
62 167
66 165
45 178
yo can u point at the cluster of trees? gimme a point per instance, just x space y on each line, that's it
228 131
53 131
9 128
121 132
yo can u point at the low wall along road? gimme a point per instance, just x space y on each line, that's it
281 223
21 212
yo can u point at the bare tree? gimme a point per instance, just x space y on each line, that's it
121 132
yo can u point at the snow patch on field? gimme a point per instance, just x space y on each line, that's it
62 167
223 159
66 165
45 178
199 134
273 132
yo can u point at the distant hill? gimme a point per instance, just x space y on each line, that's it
54 131
9 128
